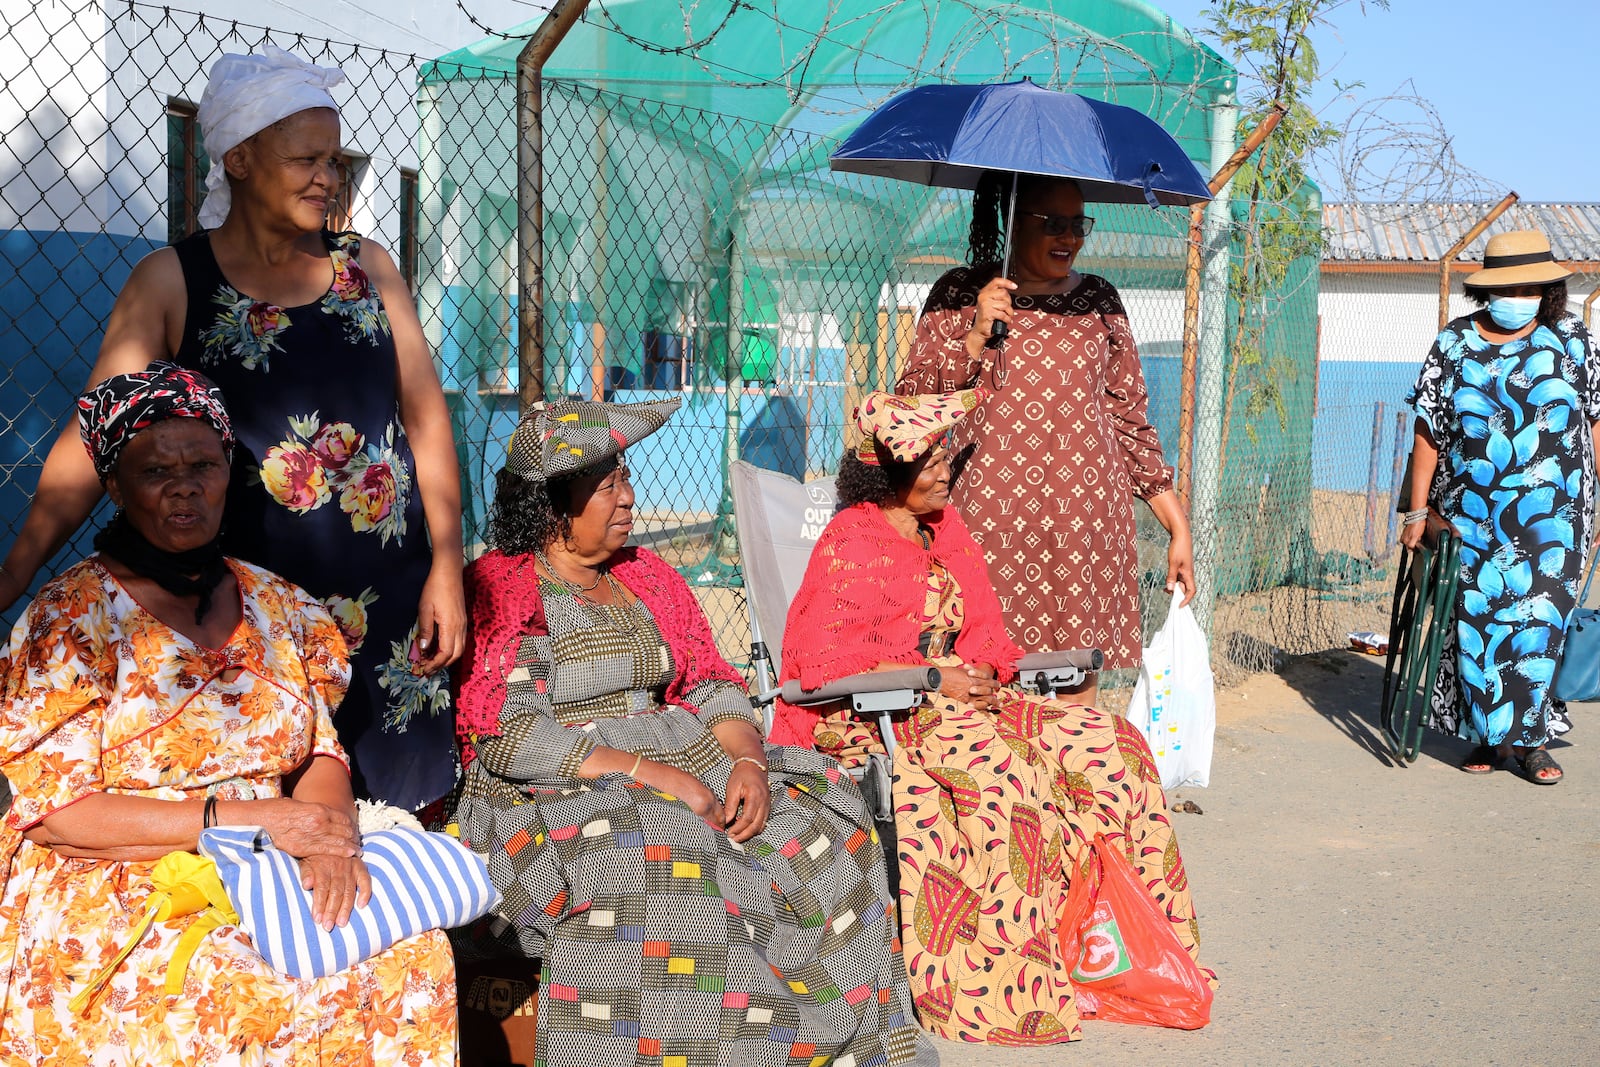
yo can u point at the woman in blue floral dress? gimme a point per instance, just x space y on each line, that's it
1506 437
345 478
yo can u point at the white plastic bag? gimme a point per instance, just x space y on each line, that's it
1174 703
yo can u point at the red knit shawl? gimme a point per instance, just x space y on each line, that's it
862 601
503 607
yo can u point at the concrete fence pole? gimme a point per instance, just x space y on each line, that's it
1210 365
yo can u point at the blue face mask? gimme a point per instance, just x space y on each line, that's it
1513 312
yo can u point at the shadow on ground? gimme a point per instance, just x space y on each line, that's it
1346 688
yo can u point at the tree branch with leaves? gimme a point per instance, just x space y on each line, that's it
1271 44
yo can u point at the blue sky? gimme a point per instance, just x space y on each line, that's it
1512 82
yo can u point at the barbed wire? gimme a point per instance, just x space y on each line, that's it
1396 149
165 12
1019 38
690 45
488 30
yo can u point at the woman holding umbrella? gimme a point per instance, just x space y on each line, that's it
1061 443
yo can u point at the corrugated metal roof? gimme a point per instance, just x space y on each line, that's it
1385 233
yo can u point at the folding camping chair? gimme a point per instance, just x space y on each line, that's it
1424 605
779 520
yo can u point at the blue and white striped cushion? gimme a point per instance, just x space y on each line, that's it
420 881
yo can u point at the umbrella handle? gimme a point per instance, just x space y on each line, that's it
997 329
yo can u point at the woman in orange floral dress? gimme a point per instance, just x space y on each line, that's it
152 690
346 481
997 794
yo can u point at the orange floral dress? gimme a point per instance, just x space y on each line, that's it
101 697
994 810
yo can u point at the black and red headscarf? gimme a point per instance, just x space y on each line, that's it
111 413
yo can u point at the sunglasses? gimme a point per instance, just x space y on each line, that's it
1056 225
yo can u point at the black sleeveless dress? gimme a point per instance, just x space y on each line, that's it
324 492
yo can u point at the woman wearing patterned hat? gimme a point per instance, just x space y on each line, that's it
153 690
997 794
1508 424
345 479
696 896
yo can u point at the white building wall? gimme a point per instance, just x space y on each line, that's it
72 73
1388 317
52 108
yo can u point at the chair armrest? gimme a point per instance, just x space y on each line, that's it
923 679
1046 672
1085 659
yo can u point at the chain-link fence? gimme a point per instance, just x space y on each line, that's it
101 162
691 250
696 241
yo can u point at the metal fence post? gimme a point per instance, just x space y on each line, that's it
1374 543
1209 367
530 197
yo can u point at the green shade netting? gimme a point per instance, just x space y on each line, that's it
688 206
743 123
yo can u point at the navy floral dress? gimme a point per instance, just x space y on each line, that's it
1516 480
324 493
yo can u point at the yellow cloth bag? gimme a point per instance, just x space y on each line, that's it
185 884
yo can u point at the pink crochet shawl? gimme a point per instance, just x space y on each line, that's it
862 600
504 606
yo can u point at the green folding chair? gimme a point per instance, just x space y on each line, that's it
1424 606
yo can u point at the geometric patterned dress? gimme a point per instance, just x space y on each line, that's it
995 812
324 492
100 696
662 940
1051 459
1516 481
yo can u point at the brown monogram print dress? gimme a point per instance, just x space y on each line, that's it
1051 461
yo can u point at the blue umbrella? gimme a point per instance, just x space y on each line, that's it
948 135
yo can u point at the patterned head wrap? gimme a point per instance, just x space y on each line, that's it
908 426
568 436
244 96
113 412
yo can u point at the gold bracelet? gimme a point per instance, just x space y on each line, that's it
751 759
633 772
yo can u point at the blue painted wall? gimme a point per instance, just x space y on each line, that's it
56 292
1342 442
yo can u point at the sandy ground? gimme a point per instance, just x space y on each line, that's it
1360 911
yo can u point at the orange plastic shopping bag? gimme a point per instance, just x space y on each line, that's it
1130 966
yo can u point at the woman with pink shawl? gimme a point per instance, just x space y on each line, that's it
695 895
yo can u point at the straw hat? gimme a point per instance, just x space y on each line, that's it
1521 257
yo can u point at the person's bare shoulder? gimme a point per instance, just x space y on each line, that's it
147 319
159 271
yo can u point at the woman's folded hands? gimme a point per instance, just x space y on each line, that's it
326 841
971 683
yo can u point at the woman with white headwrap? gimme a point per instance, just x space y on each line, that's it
345 479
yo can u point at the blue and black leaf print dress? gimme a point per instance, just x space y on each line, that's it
1516 480
324 492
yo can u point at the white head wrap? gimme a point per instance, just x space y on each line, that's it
245 95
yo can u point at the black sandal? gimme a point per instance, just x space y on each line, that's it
1481 760
1540 760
